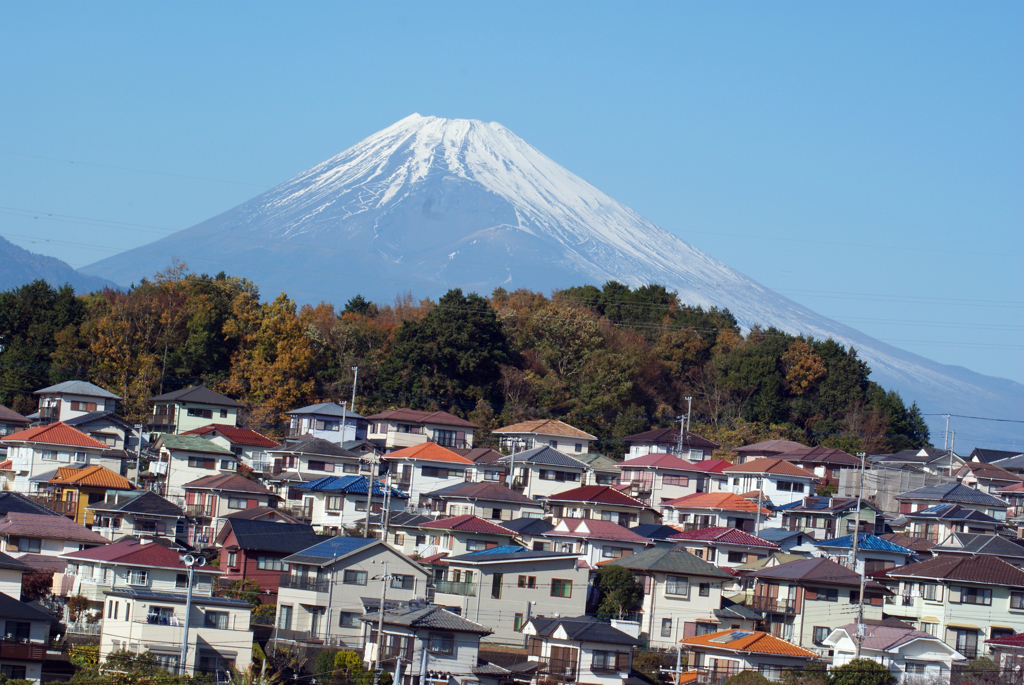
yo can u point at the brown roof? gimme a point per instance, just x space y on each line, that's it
769 447
478 455
990 471
52 527
234 434
916 544
775 466
828 456
257 513
662 436
91 477
815 571
231 482
11 416
441 418
983 569
546 427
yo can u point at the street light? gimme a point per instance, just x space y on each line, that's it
190 561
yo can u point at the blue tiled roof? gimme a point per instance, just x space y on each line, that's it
866 541
502 549
330 549
356 485
783 507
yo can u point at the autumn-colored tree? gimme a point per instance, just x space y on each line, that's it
802 367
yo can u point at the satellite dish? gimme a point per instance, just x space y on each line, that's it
189 560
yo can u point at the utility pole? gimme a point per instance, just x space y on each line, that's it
856 537
380 626
344 421
138 453
952 442
369 493
512 464
682 428
757 514
386 514
191 562
355 378
689 402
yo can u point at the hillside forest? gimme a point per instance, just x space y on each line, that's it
613 361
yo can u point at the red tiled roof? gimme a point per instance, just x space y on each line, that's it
441 418
427 451
239 436
726 501
92 477
468 523
7 465
131 551
602 494
983 569
51 527
748 641
1016 487
715 465
546 427
661 460
58 433
775 466
231 482
435 559
729 536
769 447
1007 641
596 528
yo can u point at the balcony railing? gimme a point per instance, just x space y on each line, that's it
970 652
773 605
263 466
451 443
199 510
311 584
298 511
452 587
68 508
160 420
49 414
86 628
562 669
26 651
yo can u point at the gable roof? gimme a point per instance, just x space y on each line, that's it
883 638
769 447
545 456
191 443
270 536
92 477
751 641
484 490
468 523
430 617
583 629
77 388
10 416
57 433
829 456
663 436
990 471
780 534
228 482
725 501
15 501
11 608
148 502
820 571
955 493
50 527
662 460
11 564
978 543
865 541
95 416
988 456
327 409
654 531
511 553
545 427
197 395
234 434
952 512
669 561
778 558
831 505
427 451
983 569
441 418
601 494
352 484
528 526
598 461
771 465
314 446
723 535
478 455
595 529
916 544
130 550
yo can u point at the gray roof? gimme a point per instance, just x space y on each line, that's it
406 519
327 409
315 446
599 462
10 416
147 502
988 456
780 534
97 416
488 491
16 502
197 395
11 608
951 512
731 609
504 553
545 456
11 564
979 543
669 561
528 526
430 618
77 388
177 598
1011 463
954 493
270 536
583 628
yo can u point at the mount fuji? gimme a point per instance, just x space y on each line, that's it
428 204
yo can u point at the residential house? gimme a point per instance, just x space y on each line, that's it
208 501
962 600
504 586
11 421
873 553
827 463
37 452
765 449
488 500
543 471
72 399
986 477
804 601
827 517
251 447
488 466
305 460
666 441
404 533
424 644
970 544
780 481
26 639
1007 652
529 529
263 514
398 428
714 509
681 594
724 547
911 655
11 570
41 534
77 489
952 493
715 657
579 649
600 502
182 410
988 456
423 469
182 459
15 501
593 540
458 535
747 581
658 477
558 435
325 421
928 459
921 546
938 522
1013 495
334 504
330 585
784 538
144 513
602 470
109 428
255 550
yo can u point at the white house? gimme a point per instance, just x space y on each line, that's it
667 441
424 468
910 654
251 447
398 428
337 503
71 399
714 509
716 656
11 570
781 481
543 471
557 435
579 649
593 540
186 458
49 535
325 421
182 410
37 452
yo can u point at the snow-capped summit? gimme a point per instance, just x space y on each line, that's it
428 204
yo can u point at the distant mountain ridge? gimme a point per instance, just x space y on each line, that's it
428 204
19 267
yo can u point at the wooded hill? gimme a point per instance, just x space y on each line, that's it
613 361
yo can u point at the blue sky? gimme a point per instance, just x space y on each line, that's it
864 159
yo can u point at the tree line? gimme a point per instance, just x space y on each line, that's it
612 361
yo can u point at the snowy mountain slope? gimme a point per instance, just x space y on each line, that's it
428 204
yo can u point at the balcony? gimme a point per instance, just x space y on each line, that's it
452 587
85 628
298 511
26 651
309 584
66 508
49 414
773 605
563 670
970 652
263 466
160 420
451 443
199 510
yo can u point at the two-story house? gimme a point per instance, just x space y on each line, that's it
939 521
911 655
577 649
144 513
928 459
970 544
601 502
425 468
602 470
38 451
182 410
804 601
666 441
658 477
321 598
543 471
487 499
398 428
780 481
208 500
593 540
557 435
873 553
251 447
505 586
47 535
459 535
724 547
952 493
254 550
962 600
328 421
765 449
26 638
72 399
827 463
681 594
334 504
182 459
718 656
77 489
828 517
714 509
11 421
989 478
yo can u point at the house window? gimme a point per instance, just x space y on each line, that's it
496 586
517 623
228 465
348 619
216 619
17 631
603 661
200 413
561 588
13 672
284 617
736 557
349 468
236 503
666 627
579 447
421 540
49 455
933 592
553 444
200 463
223 413
930 628
232 559
492 475
327 425
324 466
137 576
265 563
476 545
334 503
676 480
677 585
354 577
441 643
402 582
614 552
29 545
1017 600
433 472
704 590
828 594
974 595
181 580
399 539
916 668
706 628
360 505
820 633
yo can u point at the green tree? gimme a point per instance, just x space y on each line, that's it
323 665
246 589
747 678
621 592
861 672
